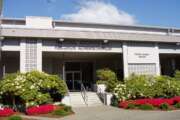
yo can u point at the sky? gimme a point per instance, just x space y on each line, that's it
164 13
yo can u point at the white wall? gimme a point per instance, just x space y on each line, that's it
141 58
38 22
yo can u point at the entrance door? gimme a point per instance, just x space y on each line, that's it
73 80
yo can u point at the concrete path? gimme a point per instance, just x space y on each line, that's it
111 113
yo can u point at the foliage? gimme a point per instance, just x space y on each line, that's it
108 77
114 101
60 112
142 86
33 87
176 99
177 105
121 92
15 118
101 82
164 106
67 108
131 106
177 75
146 107
42 109
5 112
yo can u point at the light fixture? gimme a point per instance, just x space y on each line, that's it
106 41
178 44
1 38
61 39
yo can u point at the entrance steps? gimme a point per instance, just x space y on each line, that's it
77 100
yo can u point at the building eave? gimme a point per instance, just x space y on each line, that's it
93 35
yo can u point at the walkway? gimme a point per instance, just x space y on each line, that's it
111 113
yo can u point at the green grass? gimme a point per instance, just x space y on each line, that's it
164 106
15 118
177 105
146 107
131 106
67 109
61 112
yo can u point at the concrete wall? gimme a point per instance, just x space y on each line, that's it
141 58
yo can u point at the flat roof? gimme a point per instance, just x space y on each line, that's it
99 25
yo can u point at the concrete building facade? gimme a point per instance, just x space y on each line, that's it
76 50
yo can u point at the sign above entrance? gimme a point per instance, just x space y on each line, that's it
83 46
142 54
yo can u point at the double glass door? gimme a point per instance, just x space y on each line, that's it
73 80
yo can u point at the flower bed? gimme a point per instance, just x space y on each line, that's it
42 109
5 112
155 102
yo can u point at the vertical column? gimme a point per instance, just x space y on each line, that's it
39 55
64 74
158 71
125 59
30 55
173 64
22 55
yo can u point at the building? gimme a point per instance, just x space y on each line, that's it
76 50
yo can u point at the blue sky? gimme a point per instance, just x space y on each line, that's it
143 12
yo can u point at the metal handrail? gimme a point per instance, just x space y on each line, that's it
102 96
84 94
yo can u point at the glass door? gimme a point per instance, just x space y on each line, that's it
73 80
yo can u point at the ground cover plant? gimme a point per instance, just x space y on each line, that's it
155 103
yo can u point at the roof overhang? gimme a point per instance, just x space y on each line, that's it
93 35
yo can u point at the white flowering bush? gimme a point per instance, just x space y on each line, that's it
33 88
121 92
142 86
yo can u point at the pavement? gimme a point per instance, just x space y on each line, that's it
112 113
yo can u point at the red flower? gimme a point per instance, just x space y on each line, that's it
155 102
124 104
42 109
6 112
141 101
176 99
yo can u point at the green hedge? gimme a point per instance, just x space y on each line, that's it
142 86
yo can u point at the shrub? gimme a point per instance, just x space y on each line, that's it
177 105
15 118
131 106
33 87
67 109
121 92
42 109
158 101
124 104
60 112
164 106
177 75
146 107
108 77
176 99
142 86
5 112
114 101
101 82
